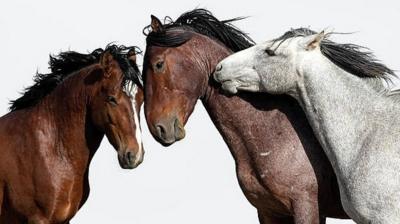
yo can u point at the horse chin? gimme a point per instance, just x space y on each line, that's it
249 88
229 87
166 144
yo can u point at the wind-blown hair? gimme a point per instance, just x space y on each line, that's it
176 33
355 59
66 63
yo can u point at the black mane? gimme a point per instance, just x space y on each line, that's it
66 63
355 59
175 33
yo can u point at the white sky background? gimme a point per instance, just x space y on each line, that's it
194 180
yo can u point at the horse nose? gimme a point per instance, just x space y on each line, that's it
165 133
169 131
130 160
133 159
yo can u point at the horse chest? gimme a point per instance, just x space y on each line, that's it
63 212
60 193
68 200
258 195
259 172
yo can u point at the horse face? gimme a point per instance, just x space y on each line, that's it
172 87
238 72
112 112
267 67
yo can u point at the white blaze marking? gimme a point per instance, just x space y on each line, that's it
138 132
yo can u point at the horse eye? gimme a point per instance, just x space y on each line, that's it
159 65
270 52
112 100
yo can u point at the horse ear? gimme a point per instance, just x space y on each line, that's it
132 56
313 41
156 25
106 61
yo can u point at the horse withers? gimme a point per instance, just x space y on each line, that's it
54 129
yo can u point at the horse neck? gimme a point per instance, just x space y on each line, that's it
207 55
222 109
340 107
66 109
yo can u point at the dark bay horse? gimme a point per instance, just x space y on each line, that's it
54 129
280 165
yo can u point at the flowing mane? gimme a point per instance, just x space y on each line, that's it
66 63
176 33
355 59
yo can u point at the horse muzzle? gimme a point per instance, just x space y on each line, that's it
129 160
169 131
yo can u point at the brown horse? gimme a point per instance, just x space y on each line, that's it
54 129
281 168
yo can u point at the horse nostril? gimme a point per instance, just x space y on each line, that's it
179 130
160 130
218 68
129 157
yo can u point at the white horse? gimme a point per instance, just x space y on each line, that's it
353 116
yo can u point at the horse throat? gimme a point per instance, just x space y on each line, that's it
210 57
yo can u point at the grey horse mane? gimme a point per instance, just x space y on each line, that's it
354 59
